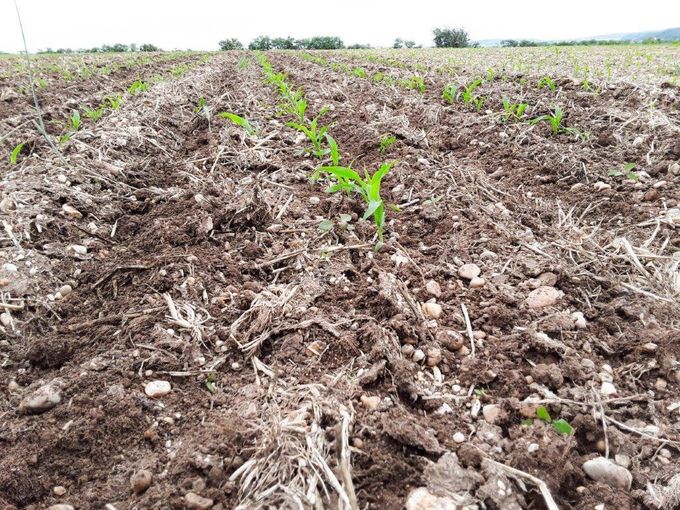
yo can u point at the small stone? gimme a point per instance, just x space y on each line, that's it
660 385
157 389
605 471
61 178
450 339
660 184
9 267
59 490
43 399
13 386
7 205
433 288
195 502
431 310
491 412
579 320
459 437
370 403
434 357
314 200
78 249
607 389
141 480
5 319
71 212
601 186
650 347
422 499
61 506
418 355
533 447
543 296
622 460
407 349
469 271
65 290
477 282
674 169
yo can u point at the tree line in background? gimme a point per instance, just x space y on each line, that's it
523 43
107 48
443 38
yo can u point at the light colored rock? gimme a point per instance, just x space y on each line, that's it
314 200
59 490
477 282
579 320
61 506
491 412
608 389
71 212
601 186
605 471
407 349
43 399
431 310
622 460
459 437
77 249
543 296
421 499
674 169
434 357
533 447
5 319
650 347
141 480
195 502
469 271
7 205
370 403
433 288
418 355
157 389
450 339
638 141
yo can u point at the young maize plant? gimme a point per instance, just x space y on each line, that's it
513 111
386 142
450 93
315 133
555 120
626 171
137 87
547 82
74 124
468 93
368 188
115 101
15 153
239 121
93 114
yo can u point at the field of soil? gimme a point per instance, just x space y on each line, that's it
190 321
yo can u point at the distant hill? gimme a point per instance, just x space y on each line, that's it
669 34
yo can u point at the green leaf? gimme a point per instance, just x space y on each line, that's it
211 386
15 153
543 414
614 172
628 167
326 226
528 422
239 121
342 171
345 218
563 427
373 206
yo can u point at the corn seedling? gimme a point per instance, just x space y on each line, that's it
137 87
468 93
359 72
314 132
179 70
450 93
368 188
386 142
93 114
378 77
547 82
626 171
416 83
560 426
202 106
513 111
555 120
15 153
239 121
478 102
115 101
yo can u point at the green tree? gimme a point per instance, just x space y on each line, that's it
287 43
148 47
451 38
262 43
230 44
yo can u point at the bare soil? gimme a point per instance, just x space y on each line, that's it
197 258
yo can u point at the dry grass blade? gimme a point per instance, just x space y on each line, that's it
185 316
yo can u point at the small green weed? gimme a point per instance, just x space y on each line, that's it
15 153
386 142
239 121
626 171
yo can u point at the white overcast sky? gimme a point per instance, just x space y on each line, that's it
200 24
